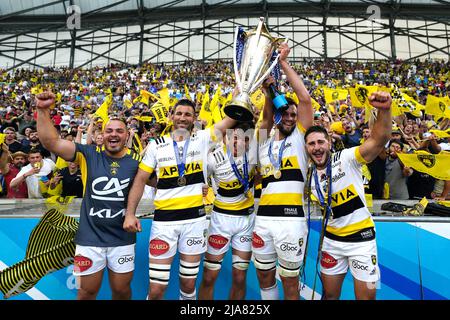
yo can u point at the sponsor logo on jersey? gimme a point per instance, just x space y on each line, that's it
339 176
82 263
290 211
217 241
367 234
287 163
194 241
125 259
327 261
107 189
158 247
244 239
172 171
343 196
193 153
287 246
358 265
257 242
106 213
164 159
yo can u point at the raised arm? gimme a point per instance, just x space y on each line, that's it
267 120
381 131
304 109
47 133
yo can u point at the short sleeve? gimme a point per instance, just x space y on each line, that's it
148 163
352 157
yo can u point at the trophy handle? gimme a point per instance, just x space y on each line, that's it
268 71
236 71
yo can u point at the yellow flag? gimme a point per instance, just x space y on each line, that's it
186 92
436 165
158 112
164 97
334 94
363 93
168 128
413 102
2 138
217 114
395 109
36 90
294 97
172 101
144 118
356 102
136 144
258 99
102 111
205 111
437 107
145 97
128 103
215 99
441 134
315 104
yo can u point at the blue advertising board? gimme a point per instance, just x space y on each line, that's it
413 260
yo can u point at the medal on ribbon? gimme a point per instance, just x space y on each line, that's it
276 163
180 156
244 180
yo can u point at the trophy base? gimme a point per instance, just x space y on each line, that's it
239 109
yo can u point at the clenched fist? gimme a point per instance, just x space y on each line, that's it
381 100
45 100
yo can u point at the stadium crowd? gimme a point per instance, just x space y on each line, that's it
143 95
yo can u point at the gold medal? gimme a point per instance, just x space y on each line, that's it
181 181
277 174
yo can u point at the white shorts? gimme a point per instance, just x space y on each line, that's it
362 258
189 238
89 260
225 227
286 238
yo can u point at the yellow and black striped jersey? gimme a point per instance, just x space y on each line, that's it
172 201
351 221
230 198
283 197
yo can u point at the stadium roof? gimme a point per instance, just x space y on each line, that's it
25 15
38 33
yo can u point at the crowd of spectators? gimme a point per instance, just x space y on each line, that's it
28 170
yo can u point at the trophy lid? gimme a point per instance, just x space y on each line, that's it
264 32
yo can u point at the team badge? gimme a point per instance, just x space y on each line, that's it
428 160
374 259
114 167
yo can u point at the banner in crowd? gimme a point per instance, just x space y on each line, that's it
436 165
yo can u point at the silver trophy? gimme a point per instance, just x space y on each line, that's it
253 61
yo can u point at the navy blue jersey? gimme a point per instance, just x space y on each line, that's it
107 182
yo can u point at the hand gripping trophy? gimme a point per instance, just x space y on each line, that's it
254 59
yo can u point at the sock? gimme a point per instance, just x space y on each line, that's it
270 293
188 296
